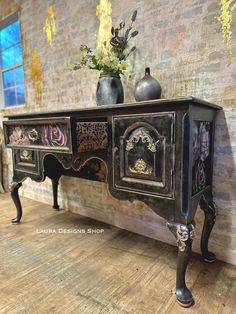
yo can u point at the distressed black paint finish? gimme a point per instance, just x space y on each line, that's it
55 182
143 150
209 208
15 197
184 235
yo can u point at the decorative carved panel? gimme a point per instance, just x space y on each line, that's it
141 157
91 136
142 134
143 153
141 167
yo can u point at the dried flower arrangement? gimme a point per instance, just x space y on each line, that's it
112 56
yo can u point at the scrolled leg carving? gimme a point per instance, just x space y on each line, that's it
184 235
209 208
15 197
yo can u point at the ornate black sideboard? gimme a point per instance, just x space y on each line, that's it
159 152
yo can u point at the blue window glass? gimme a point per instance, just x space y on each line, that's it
19 75
18 54
11 64
8 58
10 97
8 78
10 35
11 56
13 77
20 95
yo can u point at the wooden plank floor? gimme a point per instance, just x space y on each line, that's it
112 272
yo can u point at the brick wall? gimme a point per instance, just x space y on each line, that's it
181 41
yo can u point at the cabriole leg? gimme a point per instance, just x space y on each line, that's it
55 182
208 206
184 235
15 197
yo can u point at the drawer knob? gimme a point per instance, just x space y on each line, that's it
26 155
33 135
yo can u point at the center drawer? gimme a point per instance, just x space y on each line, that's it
41 134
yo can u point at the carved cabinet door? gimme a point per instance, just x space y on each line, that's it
143 153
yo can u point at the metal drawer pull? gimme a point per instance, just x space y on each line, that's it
33 135
26 155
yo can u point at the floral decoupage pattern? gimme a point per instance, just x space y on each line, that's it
45 135
201 155
18 137
53 135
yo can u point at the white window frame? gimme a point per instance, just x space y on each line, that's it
4 23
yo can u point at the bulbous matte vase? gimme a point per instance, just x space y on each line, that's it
109 90
147 88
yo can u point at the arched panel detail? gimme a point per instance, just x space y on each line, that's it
143 134
141 145
137 125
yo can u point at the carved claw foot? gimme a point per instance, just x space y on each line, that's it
15 197
209 209
184 235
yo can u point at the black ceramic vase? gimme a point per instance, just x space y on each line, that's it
109 90
147 88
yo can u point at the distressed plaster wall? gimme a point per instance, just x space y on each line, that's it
180 40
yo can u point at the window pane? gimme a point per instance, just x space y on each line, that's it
8 59
10 97
19 75
10 35
20 95
8 78
18 54
11 56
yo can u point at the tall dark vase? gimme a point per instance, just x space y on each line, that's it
109 90
147 88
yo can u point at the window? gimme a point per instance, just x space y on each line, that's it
11 68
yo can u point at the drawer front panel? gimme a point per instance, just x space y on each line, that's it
91 136
44 134
26 161
143 153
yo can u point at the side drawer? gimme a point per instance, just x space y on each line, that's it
26 161
41 134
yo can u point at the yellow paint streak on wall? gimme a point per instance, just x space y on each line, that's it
226 19
103 12
50 25
36 75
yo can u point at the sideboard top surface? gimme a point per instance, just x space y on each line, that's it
114 109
